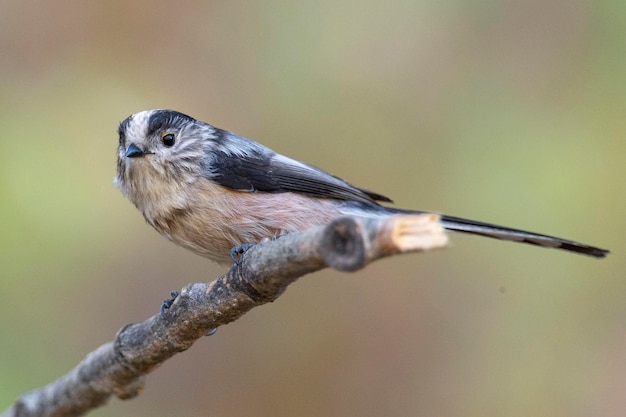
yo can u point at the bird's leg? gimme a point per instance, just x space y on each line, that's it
237 252
168 303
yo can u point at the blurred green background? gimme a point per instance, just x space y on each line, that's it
511 112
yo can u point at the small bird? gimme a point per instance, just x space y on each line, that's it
209 190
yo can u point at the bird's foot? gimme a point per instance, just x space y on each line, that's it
168 303
237 251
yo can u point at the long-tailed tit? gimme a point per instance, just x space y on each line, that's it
210 190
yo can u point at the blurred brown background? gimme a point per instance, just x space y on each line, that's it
511 112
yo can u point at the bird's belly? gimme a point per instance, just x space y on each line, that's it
211 227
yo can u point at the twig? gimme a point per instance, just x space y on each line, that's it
262 275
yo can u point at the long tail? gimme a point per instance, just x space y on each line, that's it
505 233
458 224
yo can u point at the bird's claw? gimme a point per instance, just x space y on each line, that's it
168 303
237 251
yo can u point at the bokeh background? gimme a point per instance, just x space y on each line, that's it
509 111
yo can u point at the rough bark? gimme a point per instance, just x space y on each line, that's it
262 274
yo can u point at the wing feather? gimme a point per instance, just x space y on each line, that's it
261 169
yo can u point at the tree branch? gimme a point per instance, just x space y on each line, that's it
262 275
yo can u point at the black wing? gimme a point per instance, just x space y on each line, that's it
241 164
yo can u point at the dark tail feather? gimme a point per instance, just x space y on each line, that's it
458 224
514 235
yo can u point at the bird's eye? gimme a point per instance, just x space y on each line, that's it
168 139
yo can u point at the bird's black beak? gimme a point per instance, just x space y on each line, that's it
133 151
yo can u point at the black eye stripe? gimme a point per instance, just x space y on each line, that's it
121 130
167 119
